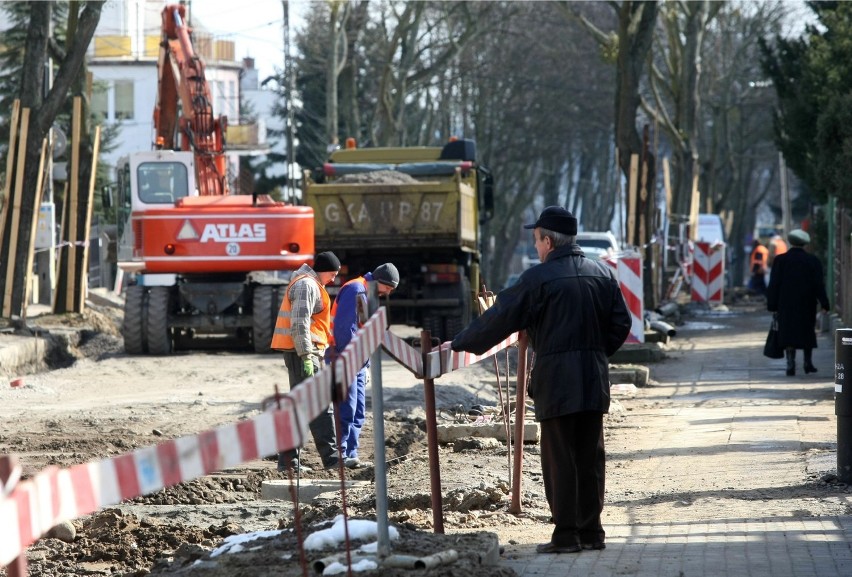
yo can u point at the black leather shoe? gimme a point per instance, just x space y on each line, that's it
596 546
551 548
791 372
810 369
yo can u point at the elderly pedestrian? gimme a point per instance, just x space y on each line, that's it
348 313
574 314
303 333
795 289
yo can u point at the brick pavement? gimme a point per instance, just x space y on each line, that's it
727 453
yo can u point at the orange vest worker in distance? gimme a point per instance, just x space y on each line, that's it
759 257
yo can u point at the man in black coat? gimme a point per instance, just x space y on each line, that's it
575 317
795 287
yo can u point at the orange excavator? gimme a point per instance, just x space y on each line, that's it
206 263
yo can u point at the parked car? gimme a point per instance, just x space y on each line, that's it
597 244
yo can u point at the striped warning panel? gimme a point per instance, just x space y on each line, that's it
405 354
630 282
708 273
445 360
367 340
627 267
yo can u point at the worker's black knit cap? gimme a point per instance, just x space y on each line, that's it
386 274
326 262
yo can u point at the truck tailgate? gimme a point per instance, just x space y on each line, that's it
361 215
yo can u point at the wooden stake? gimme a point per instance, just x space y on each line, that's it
16 211
84 275
632 186
667 184
28 273
694 205
73 203
63 254
10 163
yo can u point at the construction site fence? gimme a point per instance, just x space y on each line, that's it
30 508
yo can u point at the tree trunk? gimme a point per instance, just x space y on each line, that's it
635 33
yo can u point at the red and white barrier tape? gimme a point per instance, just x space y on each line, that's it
55 495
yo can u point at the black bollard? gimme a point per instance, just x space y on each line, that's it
843 402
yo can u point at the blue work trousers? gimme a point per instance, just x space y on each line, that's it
352 412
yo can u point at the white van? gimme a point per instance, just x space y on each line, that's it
710 229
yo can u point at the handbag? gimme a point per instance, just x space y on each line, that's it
773 348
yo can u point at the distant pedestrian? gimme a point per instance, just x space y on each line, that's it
795 288
348 313
776 247
572 309
757 268
303 332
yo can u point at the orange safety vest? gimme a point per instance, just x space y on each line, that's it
282 338
758 259
361 280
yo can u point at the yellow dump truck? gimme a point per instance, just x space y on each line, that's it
417 207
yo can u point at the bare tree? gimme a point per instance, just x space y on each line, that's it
44 109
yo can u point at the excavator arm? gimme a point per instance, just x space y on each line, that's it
184 105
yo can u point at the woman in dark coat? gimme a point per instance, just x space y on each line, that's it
795 287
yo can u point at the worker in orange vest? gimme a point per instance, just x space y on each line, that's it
303 333
348 313
757 267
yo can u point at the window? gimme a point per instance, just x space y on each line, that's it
100 99
162 182
123 100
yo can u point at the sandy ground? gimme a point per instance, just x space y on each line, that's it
105 403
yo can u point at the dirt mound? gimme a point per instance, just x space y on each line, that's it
378 177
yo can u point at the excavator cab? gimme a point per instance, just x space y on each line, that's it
162 182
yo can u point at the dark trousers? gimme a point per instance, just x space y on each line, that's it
322 427
573 464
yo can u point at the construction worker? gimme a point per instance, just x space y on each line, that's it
348 313
777 247
303 333
757 268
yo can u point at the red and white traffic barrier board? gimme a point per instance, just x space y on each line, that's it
708 273
628 270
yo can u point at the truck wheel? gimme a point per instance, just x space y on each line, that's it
435 325
159 334
263 318
132 329
461 317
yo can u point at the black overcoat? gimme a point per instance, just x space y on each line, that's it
795 288
575 317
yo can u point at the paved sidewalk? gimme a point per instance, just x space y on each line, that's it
744 447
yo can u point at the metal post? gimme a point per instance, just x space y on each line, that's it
432 438
379 460
843 402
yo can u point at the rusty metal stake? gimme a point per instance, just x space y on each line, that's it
432 438
520 405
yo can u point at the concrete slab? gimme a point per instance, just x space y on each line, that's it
308 489
454 431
